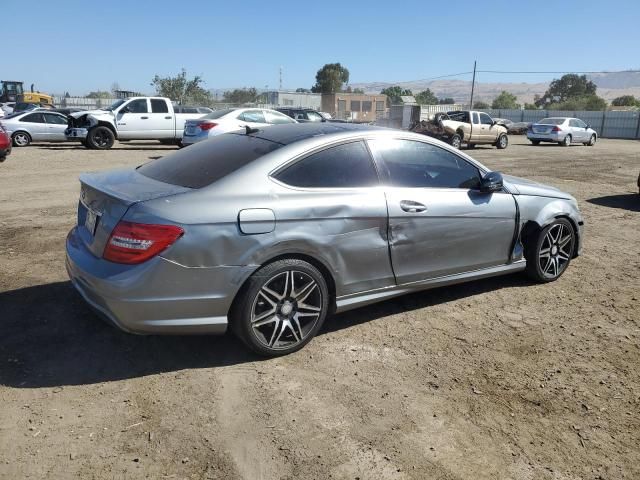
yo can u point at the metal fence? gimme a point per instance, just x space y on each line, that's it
609 124
83 102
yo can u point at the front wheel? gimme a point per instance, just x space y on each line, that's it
549 253
21 139
503 141
535 142
592 140
281 308
100 138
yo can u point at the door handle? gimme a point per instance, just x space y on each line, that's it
144 118
167 118
412 207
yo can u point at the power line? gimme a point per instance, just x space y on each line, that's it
556 72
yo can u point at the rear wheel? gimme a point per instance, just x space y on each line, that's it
456 141
566 142
21 139
535 142
503 141
549 253
281 308
100 138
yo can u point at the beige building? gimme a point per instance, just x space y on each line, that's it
356 107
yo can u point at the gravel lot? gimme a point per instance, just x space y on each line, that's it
496 379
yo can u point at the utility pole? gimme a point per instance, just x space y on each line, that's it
473 84
280 77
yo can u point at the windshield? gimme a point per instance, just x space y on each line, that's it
220 113
114 105
552 121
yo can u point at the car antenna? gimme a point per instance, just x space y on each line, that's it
251 130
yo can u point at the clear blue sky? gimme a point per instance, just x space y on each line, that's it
78 46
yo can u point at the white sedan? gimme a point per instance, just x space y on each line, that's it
228 120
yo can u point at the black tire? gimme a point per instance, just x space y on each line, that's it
100 138
559 239
503 141
592 140
261 318
456 141
566 142
471 146
535 142
21 139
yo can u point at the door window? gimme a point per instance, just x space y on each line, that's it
254 116
138 106
580 123
485 119
421 165
160 106
314 117
476 119
33 118
343 166
55 119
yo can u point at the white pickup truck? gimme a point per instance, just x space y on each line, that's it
136 118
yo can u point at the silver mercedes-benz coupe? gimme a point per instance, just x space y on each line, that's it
268 231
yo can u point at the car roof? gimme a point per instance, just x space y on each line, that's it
287 134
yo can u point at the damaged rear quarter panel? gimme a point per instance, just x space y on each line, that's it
336 228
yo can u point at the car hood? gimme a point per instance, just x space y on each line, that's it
522 186
95 113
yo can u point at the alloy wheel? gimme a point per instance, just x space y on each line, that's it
555 250
286 309
21 139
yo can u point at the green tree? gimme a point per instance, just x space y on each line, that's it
447 101
625 101
567 87
358 90
505 101
241 95
480 105
394 93
182 90
99 94
330 78
587 102
426 97
530 106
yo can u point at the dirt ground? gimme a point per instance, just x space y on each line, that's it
496 379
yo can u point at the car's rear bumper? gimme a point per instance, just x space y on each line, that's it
156 297
76 133
546 137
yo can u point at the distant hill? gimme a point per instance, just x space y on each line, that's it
610 86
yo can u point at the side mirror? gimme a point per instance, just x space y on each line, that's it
124 110
491 182
587 127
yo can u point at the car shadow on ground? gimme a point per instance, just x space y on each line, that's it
51 338
625 201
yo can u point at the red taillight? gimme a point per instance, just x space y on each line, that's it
207 125
133 243
556 129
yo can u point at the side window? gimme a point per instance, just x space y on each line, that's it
159 106
255 116
55 119
314 117
275 118
138 106
33 118
580 123
476 119
485 119
415 164
342 166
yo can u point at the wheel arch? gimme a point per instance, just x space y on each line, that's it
110 126
319 264
530 229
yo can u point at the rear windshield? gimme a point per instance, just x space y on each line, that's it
552 121
220 113
206 162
